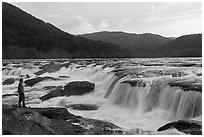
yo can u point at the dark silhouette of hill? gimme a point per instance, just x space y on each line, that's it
141 45
24 36
184 46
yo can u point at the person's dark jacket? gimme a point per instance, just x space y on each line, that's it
20 89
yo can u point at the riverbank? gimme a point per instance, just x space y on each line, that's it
51 121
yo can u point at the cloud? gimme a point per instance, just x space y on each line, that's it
68 9
125 21
104 24
136 17
84 26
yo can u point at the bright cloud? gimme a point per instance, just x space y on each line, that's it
167 19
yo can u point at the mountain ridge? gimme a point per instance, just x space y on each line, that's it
139 44
185 46
25 36
151 45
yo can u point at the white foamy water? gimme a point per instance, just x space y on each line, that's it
148 105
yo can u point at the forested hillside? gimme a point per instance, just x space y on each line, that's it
141 45
24 36
184 46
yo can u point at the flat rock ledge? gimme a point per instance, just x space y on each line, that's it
33 81
52 121
88 107
186 126
135 83
72 88
187 86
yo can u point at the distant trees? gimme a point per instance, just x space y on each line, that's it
16 52
24 36
184 46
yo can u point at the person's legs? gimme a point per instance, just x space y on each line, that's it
19 101
23 99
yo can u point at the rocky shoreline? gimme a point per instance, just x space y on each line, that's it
51 121
58 121
186 126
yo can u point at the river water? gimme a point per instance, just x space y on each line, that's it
147 104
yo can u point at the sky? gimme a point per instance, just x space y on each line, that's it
169 19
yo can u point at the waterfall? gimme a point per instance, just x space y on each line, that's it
16 72
155 94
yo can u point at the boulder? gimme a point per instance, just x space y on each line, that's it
64 77
8 81
33 81
54 93
54 113
51 87
27 76
8 95
185 65
5 63
40 72
51 67
78 88
83 106
135 83
37 63
72 88
186 85
185 126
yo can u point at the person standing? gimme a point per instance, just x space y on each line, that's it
21 93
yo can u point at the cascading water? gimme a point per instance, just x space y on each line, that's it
141 98
157 94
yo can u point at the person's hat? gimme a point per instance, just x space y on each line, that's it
20 79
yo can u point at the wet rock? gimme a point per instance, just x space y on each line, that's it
54 113
8 81
51 67
54 93
186 85
33 81
5 63
78 88
8 95
199 74
186 65
40 72
98 127
178 74
185 126
72 88
14 123
120 72
134 83
40 121
51 87
64 77
37 63
84 106
137 131
153 64
51 121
